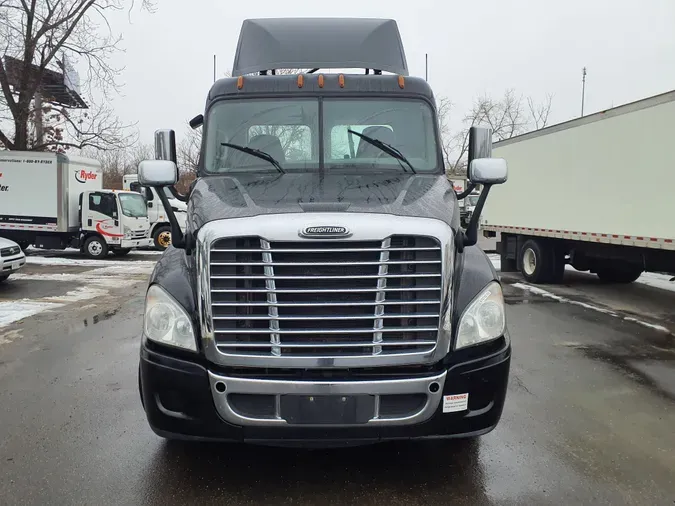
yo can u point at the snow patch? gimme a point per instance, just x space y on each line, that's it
13 311
544 293
656 280
496 261
36 260
81 293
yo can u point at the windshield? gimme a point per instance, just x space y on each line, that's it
133 204
289 130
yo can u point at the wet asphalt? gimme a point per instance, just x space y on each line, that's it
589 419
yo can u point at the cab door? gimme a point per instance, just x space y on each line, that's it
154 204
101 214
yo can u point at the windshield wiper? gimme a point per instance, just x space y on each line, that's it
256 152
387 148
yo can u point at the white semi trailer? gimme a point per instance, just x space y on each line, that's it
572 195
56 201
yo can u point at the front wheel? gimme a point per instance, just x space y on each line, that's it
95 247
162 237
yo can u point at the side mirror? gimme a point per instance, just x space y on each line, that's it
480 143
157 173
488 171
165 145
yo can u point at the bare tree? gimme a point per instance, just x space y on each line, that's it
188 150
117 162
34 34
539 112
507 117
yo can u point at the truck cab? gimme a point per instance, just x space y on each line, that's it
112 221
324 292
160 228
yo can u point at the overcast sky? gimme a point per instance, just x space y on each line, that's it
533 46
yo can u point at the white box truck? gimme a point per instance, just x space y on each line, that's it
56 201
160 228
572 195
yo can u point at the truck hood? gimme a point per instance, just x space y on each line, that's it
246 195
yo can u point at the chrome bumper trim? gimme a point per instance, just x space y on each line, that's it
285 387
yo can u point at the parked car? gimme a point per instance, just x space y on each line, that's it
12 258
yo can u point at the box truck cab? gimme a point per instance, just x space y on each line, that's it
55 201
324 292
160 228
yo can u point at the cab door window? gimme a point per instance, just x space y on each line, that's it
104 203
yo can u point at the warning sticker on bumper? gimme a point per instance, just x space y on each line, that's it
455 402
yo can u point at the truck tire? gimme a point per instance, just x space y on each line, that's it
619 274
162 237
95 247
557 265
23 245
535 261
120 252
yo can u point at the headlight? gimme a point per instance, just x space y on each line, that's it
484 319
127 233
166 321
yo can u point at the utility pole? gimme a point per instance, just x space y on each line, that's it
214 68
583 89
426 66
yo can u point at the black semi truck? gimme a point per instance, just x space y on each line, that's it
324 292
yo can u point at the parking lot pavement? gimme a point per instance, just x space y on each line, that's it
588 419
54 280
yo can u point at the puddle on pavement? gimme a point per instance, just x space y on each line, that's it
649 359
98 318
80 325
515 299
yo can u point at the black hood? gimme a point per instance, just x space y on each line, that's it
245 195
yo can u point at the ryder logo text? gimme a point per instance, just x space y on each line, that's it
85 175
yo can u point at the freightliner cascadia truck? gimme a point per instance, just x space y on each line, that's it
324 292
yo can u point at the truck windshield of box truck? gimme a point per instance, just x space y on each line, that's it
133 205
289 132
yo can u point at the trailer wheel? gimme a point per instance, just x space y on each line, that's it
535 262
95 247
557 265
162 237
619 274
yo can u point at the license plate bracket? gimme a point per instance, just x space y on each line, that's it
327 409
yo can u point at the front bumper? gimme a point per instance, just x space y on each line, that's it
13 264
136 243
182 400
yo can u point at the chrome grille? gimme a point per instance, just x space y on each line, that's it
325 298
139 234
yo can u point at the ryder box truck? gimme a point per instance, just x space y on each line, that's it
55 201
